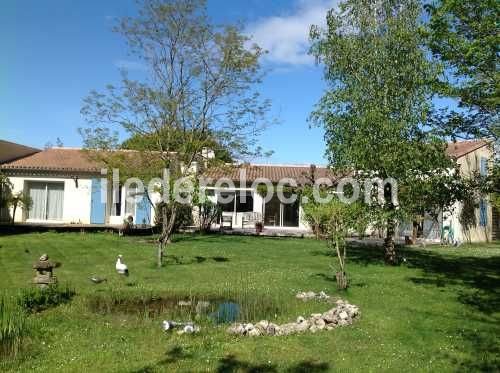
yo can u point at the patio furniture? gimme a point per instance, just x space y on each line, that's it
250 218
226 222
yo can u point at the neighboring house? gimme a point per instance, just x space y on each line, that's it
65 186
473 220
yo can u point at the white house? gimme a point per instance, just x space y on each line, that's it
65 186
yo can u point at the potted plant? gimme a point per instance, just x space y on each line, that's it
258 227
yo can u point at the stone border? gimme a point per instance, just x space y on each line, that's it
342 315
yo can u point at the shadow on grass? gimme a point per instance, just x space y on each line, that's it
230 364
182 260
173 355
475 280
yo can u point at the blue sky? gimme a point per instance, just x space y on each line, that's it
56 51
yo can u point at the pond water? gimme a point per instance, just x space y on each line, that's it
216 310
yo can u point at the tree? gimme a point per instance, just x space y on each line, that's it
19 199
464 35
375 111
200 88
342 219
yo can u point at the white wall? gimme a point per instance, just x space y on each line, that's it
76 204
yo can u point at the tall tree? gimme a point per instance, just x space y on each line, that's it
465 36
199 89
379 94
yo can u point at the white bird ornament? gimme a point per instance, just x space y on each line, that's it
121 267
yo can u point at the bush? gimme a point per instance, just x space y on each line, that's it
184 217
208 212
13 328
36 299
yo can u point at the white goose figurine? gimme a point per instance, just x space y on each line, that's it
121 267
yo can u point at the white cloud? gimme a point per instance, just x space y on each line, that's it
286 37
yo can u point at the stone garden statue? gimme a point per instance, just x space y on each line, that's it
44 276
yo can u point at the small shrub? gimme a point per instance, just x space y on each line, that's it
13 328
183 217
36 299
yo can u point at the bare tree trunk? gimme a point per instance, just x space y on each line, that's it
341 276
414 233
390 250
166 233
14 213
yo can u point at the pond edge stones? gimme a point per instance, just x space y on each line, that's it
342 314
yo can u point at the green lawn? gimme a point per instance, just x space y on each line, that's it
438 312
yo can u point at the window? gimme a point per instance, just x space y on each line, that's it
483 213
116 207
246 206
483 166
130 201
226 201
47 200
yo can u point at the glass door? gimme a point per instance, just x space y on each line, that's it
277 214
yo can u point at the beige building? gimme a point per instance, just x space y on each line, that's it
474 220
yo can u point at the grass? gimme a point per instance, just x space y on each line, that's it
13 328
438 312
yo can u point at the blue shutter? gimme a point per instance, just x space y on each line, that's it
483 213
143 211
97 208
483 167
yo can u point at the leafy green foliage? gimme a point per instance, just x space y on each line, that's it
35 299
375 111
183 215
464 35
200 91
13 327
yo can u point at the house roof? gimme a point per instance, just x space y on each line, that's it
10 151
55 159
274 173
76 160
461 148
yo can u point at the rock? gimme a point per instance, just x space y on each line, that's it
287 329
316 315
310 294
272 329
191 329
249 327
302 327
300 295
352 310
323 295
254 332
262 325
313 329
320 323
343 315
236 329
329 316
343 322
